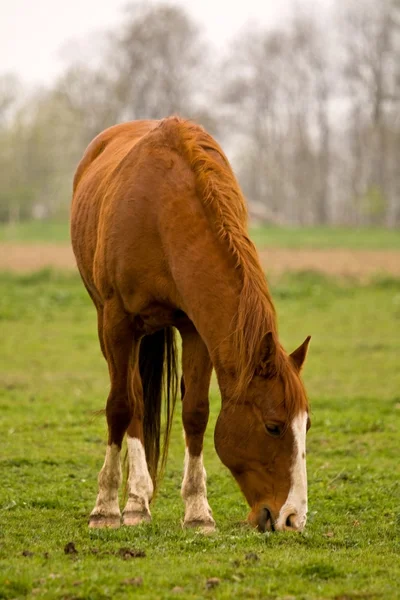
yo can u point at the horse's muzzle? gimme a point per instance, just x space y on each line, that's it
267 522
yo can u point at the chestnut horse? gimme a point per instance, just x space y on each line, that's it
159 231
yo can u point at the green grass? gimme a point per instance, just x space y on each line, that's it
279 237
53 378
36 232
327 237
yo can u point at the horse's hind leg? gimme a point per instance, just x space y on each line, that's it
140 485
197 367
116 340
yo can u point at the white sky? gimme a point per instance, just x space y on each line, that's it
33 33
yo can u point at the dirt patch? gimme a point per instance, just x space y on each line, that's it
341 262
33 257
70 548
127 553
361 264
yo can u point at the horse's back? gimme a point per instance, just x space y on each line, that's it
114 142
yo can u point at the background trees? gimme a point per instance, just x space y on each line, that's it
308 112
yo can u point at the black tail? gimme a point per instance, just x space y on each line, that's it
158 371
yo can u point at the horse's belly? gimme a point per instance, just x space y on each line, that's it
157 316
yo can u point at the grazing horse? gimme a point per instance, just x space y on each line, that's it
159 231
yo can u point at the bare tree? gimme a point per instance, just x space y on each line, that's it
88 94
370 32
160 63
279 89
310 50
10 89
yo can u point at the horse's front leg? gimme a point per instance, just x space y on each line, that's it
197 368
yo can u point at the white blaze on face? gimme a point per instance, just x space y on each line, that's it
296 503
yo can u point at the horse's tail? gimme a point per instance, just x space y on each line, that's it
158 371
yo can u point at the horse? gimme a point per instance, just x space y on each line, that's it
159 231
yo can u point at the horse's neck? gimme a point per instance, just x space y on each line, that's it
215 316
214 312
210 285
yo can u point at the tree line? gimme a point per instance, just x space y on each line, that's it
308 111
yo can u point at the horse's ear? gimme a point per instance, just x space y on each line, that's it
299 355
266 358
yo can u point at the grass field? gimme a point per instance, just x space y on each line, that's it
53 378
278 237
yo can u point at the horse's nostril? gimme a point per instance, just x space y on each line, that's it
265 521
291 522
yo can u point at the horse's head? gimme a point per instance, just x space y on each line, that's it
261 438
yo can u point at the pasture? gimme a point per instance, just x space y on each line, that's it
38 232
53 379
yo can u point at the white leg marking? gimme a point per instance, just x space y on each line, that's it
194 493
296 503
106 511
140 485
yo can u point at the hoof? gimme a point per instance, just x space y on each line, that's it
131 519
104 521
205 527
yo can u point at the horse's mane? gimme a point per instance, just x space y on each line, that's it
218 189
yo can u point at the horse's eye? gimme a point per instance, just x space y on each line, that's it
273 429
